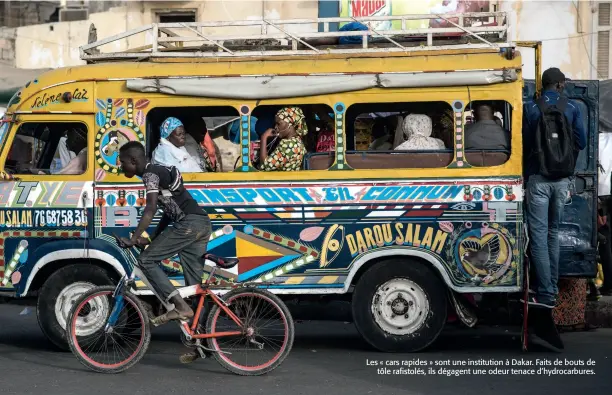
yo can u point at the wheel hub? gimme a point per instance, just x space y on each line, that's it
400 306
91 318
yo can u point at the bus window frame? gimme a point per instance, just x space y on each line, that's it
87 121
509 92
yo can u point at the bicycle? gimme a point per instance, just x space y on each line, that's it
114 315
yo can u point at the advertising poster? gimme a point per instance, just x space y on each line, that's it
365 8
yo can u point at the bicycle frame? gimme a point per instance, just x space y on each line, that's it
196 290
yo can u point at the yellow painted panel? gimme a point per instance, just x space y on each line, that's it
245 248
52 99
285 215
295 280
328 280
222 216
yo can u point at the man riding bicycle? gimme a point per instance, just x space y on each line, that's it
188 237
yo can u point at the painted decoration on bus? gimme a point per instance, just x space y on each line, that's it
289 236
369 8
120 120
310 236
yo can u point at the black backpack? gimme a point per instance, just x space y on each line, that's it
554 141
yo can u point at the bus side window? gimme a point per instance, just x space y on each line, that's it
400 135
298 134
48 148
487 136
211 139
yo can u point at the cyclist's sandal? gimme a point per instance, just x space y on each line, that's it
181 312
189 357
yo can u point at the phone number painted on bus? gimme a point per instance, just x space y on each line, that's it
25 218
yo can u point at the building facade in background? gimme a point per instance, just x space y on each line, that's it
575 33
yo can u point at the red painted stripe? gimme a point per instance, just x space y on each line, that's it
256 216
424 213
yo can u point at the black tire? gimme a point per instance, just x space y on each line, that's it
290 330
411 338
50 291
141 313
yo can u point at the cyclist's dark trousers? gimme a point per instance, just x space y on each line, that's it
188 238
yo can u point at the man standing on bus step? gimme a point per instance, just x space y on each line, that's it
553 135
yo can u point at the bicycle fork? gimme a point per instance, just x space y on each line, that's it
118 306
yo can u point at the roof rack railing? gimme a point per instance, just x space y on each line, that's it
166 42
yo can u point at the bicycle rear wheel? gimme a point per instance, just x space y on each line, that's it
108 351
267 332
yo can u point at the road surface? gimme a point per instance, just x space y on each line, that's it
329 358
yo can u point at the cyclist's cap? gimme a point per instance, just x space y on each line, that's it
553 76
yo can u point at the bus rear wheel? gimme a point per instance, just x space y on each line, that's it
400 306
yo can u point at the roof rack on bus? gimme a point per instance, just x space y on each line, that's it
268 37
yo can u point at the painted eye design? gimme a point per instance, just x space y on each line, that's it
463 206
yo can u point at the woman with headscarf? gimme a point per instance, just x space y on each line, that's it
417 130
289 154
171 150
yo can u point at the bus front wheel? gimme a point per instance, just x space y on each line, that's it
399 305
59 293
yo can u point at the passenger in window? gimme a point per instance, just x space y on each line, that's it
201 146
65 155
417 130
289 154
171 150
381 136
485 133
76 141
326 139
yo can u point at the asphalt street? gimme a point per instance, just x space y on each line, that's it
328 358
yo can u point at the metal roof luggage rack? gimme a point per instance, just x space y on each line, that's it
269 38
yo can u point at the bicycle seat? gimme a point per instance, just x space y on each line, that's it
223 263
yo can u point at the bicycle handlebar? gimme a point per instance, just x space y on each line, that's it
119 242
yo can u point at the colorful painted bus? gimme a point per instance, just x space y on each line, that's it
404 235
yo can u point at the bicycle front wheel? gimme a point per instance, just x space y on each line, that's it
267 332
103 349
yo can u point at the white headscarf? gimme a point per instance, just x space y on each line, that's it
167 154
417 130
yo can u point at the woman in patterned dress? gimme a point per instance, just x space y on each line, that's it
289 154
